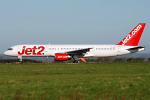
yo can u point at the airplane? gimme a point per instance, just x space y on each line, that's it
78 52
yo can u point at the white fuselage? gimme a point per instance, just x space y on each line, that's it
50 50
65 52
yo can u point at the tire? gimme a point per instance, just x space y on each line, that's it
76 61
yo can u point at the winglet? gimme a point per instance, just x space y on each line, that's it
82 60
133 38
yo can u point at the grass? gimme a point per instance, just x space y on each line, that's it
101 81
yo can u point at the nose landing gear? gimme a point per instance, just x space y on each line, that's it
20 59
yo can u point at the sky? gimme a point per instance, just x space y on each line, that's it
71 21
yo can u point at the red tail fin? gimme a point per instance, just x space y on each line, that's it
133 38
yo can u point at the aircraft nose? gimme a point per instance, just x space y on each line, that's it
6 53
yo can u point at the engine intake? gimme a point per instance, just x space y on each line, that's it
62 57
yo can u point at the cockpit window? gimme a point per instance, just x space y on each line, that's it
10 49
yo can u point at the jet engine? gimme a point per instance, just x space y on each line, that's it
62 57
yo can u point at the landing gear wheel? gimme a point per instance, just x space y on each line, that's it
76 61
21 62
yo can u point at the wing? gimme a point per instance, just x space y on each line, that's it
79 52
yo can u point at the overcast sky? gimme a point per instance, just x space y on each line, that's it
71 21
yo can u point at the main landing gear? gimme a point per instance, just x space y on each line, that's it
76 61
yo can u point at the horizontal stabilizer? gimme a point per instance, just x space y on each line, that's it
136 48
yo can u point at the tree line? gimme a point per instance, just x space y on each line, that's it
95 60
109 60
17 61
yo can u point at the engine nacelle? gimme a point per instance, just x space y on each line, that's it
62 56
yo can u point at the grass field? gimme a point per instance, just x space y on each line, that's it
101 81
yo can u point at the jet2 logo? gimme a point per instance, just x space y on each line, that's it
129 36
34 51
